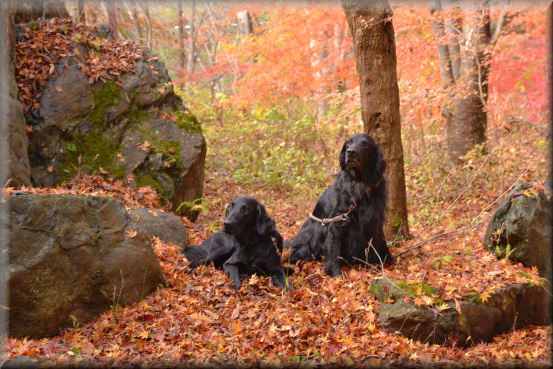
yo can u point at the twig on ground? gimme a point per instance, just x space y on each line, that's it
475 219
462 192
410 248
381 268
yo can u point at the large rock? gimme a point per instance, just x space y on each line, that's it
13 119
522 223
510 307
166 226
70 259
139 126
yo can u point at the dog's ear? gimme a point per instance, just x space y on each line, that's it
374 170
263 224
227 209
343 156
278 238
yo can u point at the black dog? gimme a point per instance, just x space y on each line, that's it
349 215
248 244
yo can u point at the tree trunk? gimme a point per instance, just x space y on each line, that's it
464 71
80 11
133 13
111 10
31 10
192 38
371 26
181 44
244 22
146 10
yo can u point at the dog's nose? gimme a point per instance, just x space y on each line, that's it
351 151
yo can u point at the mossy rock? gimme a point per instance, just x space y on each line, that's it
72 256
511 307
137 126
520 228
394 290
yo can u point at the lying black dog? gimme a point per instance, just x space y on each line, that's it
248 244
349 215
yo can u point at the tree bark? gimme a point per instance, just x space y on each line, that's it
192 38
80 11
111 10
30 10
244 20
464 71
181 43
133 13
371 26
146 10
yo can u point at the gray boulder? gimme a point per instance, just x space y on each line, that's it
138 126
507 308
522 222
166 226
70 259
13 119
17 142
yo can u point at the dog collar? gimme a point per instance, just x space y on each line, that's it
375 186
336 219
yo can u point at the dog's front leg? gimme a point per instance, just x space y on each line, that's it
333 248
231 268
279 279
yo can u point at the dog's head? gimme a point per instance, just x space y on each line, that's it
244 214
363 155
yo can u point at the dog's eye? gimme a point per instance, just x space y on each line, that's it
245 210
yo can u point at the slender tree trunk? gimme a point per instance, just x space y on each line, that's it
192 38
374 46
464 71
181 43
146 10
111 10
133 11
244 20
30 10
80 16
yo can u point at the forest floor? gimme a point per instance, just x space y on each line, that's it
198 319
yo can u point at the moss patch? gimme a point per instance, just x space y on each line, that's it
170 149
148 180
97 151
106 95
384 290
171 157
187 121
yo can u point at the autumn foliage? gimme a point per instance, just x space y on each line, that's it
47 43
269 136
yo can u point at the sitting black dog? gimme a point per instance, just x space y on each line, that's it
248 244
349 215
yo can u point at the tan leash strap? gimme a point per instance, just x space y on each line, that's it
336 219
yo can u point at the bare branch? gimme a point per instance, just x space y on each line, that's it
498 26
443 51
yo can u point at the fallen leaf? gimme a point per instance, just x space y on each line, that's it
485 296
